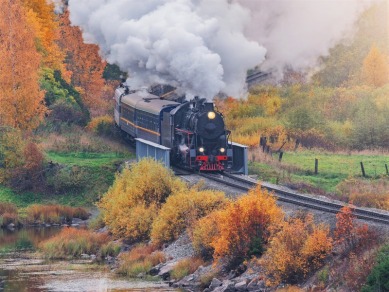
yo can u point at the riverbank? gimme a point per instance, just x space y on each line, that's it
22 268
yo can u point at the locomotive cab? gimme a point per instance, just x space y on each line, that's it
201 138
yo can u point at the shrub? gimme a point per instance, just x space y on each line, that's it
249 219
65 179
131 204
54 214
185 267
64 112
297 249
203 233
71 242
109 249
8 214
101 125
378 280
97 222
139 260
350 235
181 210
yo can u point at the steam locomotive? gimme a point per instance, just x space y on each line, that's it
193 130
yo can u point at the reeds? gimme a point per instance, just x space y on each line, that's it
140 260
72 243
54 214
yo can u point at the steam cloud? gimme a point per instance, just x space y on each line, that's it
204 47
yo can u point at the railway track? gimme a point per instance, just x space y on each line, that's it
289 196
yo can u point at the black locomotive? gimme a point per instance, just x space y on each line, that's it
193 130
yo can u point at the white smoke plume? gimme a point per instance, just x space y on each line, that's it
204 47
297 32
196 45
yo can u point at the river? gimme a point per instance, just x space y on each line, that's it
22 269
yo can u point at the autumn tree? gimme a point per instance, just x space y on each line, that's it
20 96
41 15
84 62
375 69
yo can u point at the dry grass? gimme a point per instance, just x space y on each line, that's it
367 193
71 242
140 260
185 267
8 214
39 214
80 140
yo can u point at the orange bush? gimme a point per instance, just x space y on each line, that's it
245 225
298 248
181 210
133 202
348 234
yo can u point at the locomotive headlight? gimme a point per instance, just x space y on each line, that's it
211 115
201 149
222 150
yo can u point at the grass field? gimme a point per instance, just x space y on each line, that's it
332 168
82 179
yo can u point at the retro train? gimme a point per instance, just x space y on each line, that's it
193 130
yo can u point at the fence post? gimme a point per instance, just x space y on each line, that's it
386 166
280 156
363 170
316 166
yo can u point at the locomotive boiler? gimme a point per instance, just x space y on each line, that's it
193 130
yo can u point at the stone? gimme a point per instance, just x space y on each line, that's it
164 272
78 221
85 256
241 286
215 283
227 286
155 270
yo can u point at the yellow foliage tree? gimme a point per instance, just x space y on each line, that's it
181 210
245 226
11 151
41 16
298 248
132 203
20 96
375 69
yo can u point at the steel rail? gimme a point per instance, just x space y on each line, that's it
292 197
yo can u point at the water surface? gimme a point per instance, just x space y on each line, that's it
22 269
